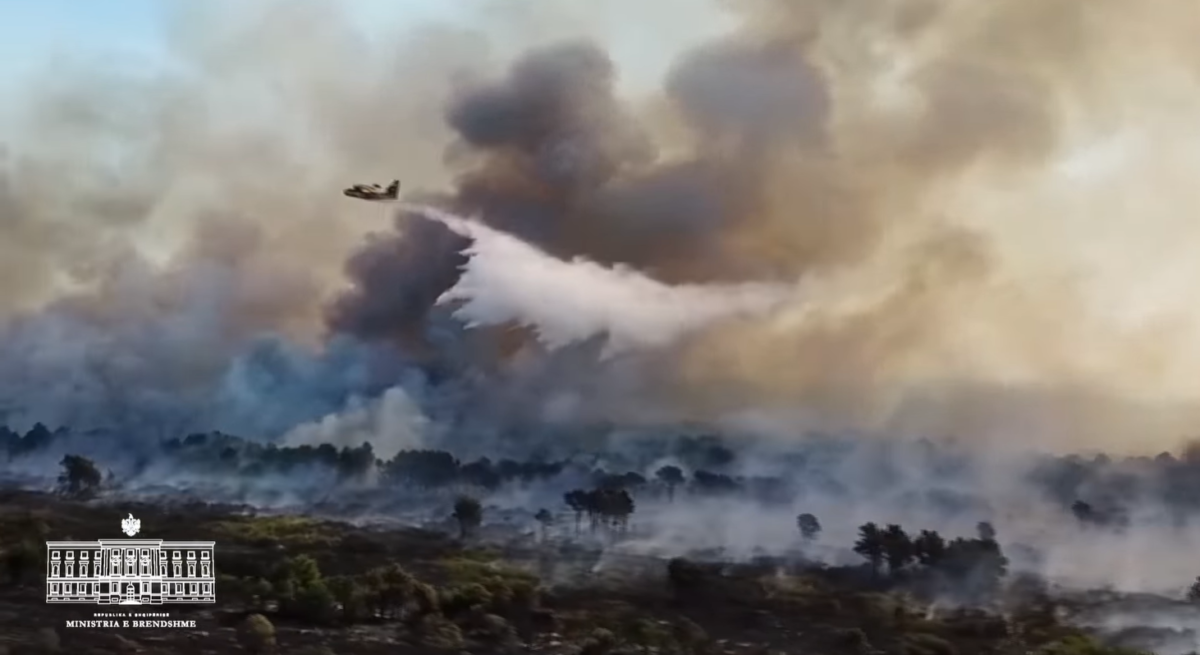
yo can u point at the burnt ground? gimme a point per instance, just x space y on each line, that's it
632 607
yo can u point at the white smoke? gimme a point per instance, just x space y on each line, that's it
507 280
392 422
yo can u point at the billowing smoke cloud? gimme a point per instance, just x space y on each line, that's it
891 217
896 159
394 420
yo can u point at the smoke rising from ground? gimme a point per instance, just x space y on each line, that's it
901 218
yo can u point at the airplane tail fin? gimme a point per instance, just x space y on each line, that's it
393 189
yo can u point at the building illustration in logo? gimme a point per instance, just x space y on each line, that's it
130 571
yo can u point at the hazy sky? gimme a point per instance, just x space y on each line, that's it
36 32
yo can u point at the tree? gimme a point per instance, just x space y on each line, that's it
577 500
469 514
897 548
594 508
975 565
389 588
985 531
355 463
1083 512
260 592
301 591
617 506
929 548
672 476
810 527
423 469
870 545
481 474
714 484
79 477
545 518
1193 593
351 596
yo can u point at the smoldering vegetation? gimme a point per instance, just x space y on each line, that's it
944 238
1078 522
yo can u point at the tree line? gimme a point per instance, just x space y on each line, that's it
1094 490
974 567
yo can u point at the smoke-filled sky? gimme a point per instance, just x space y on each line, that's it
916 217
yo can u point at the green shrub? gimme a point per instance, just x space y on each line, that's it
601 642
648 633
352 597
1080 645
982 627
494 629
426 599
461 599
256 635
435 631
271 530
924 644
313 602
465 571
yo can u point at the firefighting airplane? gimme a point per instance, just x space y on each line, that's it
373 192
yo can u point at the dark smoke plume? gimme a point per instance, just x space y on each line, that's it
925 189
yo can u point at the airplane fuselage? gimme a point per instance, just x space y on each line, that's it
373 191
367 195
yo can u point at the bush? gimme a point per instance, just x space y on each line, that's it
426 599
298 586
1079 645
494 629
461 599
387 590
923 644
435 631
878 609
854 639
256 634
24 561
352 597
647 633
267 531
314 603
600 642
984 627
